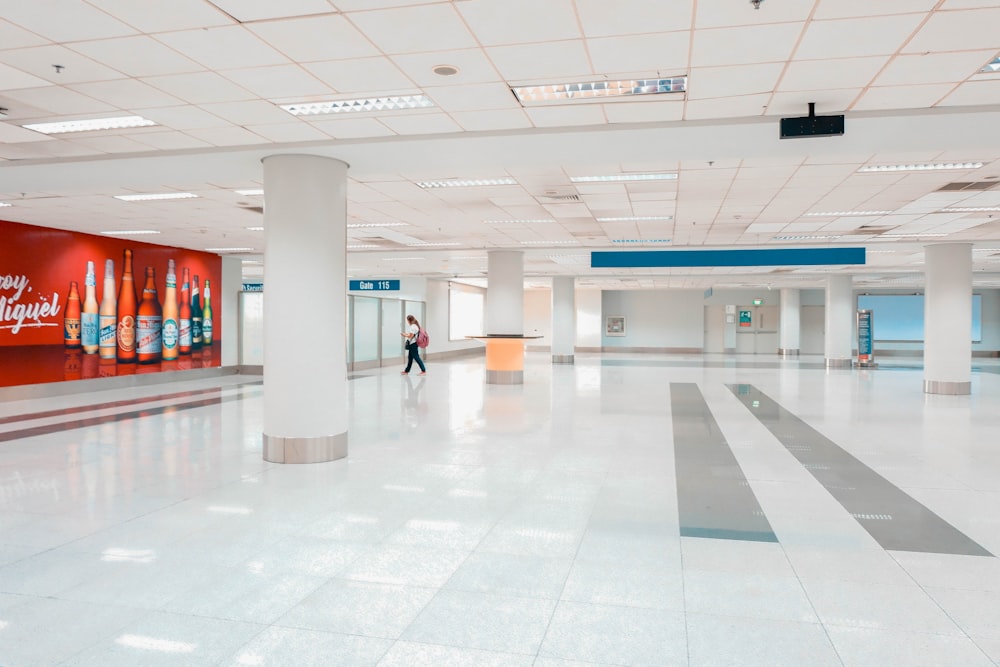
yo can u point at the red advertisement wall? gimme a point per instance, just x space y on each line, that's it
38 264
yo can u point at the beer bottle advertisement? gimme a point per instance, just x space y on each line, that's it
196 333
206 316
68 291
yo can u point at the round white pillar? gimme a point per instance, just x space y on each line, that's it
505 293
789 323
305 361
839 322
948 319
563 319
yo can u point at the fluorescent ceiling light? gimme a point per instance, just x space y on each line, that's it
618 178
517 222
970 209
255 229
229 249
355 225
920 167
545 242
156 644
466 183
361 246
116 555
879 252
640 240
403 259
130 232
157 196
256 192
433 245
360 105
599 90
637 218
229 509
65 126
841 214
3 204
906 236
992 66
802 237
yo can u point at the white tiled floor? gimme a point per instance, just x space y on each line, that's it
476 524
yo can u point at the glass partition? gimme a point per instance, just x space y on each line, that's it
366 330
392 326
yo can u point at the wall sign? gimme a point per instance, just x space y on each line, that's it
745 318
373 286
253 287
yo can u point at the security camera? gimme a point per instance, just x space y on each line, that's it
756 3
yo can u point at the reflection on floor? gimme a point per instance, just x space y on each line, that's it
625 510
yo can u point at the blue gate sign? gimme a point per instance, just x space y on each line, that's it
374 286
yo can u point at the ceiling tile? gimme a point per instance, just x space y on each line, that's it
111 144
227 136
62 101
601 18
473 97
725 14
153 17
501 119
137 56
726 107
279 82
250 112
902 97
725 46
361 75
63 21
13 37
126 94
353 128
713 82
974 93
200 88
870 36
365 5
315 38
223 48
184 118
797 104
12 79
259 10
434 123
76 68
958 31
652 111
13 134
170 141
542 62
288 132
933 67
663 54
473 67
441 28
838 9
827 74
589 114
496 22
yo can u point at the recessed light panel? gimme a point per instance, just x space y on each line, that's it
157 196
255 192
820 237
356 225
920 167
466 183
546 242
619 178
638 218
992 66
842 214
3 204
518 222
95 124
393 103
598 90
229 249
970 209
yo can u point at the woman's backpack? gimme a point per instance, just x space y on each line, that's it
422 338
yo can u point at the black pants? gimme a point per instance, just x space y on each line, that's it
414 355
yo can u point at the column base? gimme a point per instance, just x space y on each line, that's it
788 352
948 388
504 377
840 363
319 449
563 359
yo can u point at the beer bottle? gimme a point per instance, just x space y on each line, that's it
170 330
184 341
88 320
126 313
71 318
149 343
206 316
107 319
196 333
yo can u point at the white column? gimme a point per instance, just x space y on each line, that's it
228 301
305 363
839 322
505 293
948 319
789 323
563 319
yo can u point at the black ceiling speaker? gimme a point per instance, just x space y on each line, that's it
812 125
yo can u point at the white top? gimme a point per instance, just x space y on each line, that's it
412 331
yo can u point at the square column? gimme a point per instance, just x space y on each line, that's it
948 319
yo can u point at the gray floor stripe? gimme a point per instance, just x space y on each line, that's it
713 496
893 518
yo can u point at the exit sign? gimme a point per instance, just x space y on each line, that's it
374 286
758 302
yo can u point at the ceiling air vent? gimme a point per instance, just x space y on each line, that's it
562 197
978 185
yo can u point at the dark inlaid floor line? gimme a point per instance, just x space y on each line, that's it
714 498
895 519
122 416
62 412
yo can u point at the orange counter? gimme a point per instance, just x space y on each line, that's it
504 358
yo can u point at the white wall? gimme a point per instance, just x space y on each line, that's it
538 317
589 325
656 318
436 297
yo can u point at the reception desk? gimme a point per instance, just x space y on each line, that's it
504 357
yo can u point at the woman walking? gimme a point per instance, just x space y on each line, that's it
412 349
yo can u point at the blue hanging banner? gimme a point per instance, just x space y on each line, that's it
751 257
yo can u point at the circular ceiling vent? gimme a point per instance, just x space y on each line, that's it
445 70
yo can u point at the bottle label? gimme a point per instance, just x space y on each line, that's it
148 331
71 329
206 330
88 328
126 334
195 330
185 333
107 330
169 334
